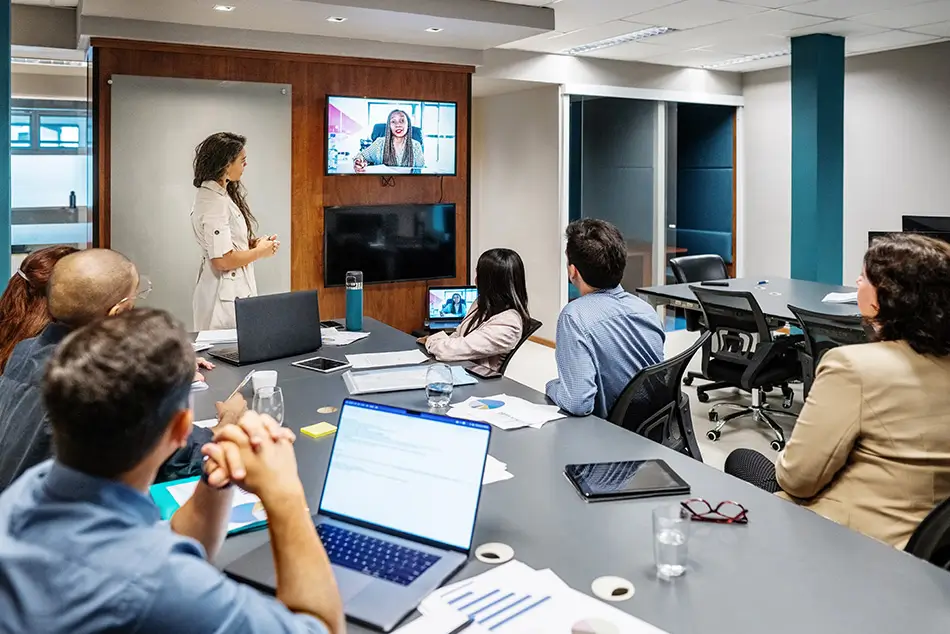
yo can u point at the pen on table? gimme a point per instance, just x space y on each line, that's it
240 385
461 628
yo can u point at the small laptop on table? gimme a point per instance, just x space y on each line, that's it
397 512
448 306
273 327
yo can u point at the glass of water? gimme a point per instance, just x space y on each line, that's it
670 540
439 385
270 401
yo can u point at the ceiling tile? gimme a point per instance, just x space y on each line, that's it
632 52
845 28
695 58
849 8
557 42
885 41
723 37
916 15
761 64
941 29
777 21
692 13
769 4
578 14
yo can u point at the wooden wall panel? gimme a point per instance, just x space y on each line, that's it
312 78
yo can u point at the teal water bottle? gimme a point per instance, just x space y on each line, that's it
354 301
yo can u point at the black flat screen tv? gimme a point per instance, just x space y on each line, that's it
389 243
925 224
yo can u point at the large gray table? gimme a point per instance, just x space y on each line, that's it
788 570
773 296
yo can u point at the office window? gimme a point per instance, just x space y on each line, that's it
20 130
60 132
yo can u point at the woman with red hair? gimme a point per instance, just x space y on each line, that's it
23 312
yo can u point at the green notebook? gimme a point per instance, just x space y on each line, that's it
247 512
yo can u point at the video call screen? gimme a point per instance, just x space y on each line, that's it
448 303
390 136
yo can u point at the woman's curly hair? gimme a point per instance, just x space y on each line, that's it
911 274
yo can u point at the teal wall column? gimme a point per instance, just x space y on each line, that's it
817 158
5 218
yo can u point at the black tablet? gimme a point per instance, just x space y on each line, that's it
601 481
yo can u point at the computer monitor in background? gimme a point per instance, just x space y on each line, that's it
925 224
448 305
939 235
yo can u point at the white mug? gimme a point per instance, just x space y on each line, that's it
264 379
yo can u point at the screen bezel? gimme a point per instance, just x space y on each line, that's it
326 138
385 529
582 484
326 210
303 364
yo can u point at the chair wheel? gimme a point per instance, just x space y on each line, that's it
713 435
787 403
713 416
703 397
777 445
688 381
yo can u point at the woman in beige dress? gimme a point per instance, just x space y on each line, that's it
224 229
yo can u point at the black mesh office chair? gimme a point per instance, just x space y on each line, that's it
530 328
931 540
698 268
746 355
653 404
822 333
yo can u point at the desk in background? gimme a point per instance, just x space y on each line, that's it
787 571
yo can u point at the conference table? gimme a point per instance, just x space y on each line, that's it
787 570
774 294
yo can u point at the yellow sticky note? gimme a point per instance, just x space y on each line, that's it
318 430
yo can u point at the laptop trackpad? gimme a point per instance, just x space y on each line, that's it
350 582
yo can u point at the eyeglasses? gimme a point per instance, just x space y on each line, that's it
141 292
727 512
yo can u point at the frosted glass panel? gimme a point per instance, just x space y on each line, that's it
156 124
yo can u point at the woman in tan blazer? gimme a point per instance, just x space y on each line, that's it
871 448
495 322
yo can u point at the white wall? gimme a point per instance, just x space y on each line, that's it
156 124
896 152
515 190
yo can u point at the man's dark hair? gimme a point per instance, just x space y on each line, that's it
597 250
112 388
911 274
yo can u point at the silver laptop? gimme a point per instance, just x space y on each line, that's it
397 512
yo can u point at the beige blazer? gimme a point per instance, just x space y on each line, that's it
487 345
871 449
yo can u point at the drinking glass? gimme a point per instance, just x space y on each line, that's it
439 385
270 401
670 540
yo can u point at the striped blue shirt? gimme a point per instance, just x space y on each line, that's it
603 339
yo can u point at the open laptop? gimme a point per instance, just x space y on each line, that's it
448 305
397 511
273 327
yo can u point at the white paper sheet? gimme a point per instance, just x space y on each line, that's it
201 347
246 508
334 337
199 386
841 298
207 423
437 622
397 379
495 471
506 412
216 336
386 359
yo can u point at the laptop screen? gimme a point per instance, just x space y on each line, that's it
446 302
415 473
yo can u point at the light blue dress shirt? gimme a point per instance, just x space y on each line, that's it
603 339
83 555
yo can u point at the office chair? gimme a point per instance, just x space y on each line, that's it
822 333
653 404
380 130
931 539
699 268
530 328
745 354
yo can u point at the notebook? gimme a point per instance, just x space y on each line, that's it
247 512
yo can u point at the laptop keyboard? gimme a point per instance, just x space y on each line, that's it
372 556
229 354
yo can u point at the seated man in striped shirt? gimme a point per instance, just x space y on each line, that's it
605 336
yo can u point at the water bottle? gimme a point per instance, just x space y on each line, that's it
354 301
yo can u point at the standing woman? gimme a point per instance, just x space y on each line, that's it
224 228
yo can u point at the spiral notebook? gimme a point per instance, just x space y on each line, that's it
247 512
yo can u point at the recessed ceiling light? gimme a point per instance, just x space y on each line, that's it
336 19
227 8
433 29
747 58
635 36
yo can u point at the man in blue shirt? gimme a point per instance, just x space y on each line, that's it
82 547
605 336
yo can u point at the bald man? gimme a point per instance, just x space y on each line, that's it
84 287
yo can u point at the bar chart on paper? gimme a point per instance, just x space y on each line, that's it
497 609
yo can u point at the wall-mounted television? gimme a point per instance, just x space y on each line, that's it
385 137
389 243
925 224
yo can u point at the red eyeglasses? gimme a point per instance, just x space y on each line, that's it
723 513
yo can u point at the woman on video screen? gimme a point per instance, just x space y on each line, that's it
454 306
396 148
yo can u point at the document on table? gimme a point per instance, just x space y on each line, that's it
207 423
201 347
214 337
495 471
523 600
506 412
397 379
386 359
247 511
841 298
334 337
437 622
